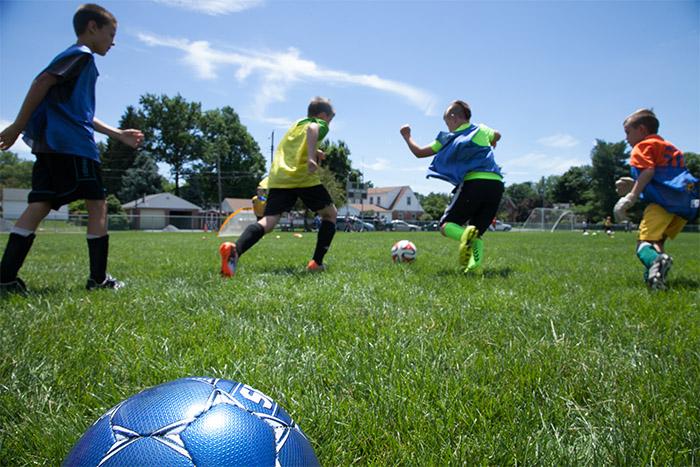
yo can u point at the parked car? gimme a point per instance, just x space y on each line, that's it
431 226
356 225
499 226
403 226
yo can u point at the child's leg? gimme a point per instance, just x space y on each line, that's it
21 240
326 232
97 239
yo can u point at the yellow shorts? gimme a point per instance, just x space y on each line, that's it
658 224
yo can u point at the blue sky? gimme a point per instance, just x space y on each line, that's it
550 76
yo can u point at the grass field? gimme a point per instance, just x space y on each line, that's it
557 355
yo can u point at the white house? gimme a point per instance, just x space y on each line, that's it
401 201
14 202
162 209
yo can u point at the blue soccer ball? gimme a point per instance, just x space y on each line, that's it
194 421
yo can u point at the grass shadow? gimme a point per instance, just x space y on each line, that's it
488 273
684 283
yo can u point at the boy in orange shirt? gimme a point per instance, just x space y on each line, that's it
661 178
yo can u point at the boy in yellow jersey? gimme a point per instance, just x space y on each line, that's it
294 174
464 157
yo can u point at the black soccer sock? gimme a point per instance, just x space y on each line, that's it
15 252
250 236
323 240
98 250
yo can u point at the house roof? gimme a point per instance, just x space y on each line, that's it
162 201
369 207
233 204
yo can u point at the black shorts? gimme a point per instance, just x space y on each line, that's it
281 200
63 178
476 202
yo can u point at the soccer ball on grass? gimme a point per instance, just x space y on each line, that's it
403 251
194 421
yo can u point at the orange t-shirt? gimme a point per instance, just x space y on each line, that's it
654 151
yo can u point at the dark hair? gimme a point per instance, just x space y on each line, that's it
319 105
460 109
91 12
644 117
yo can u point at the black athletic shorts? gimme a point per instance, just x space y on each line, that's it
281 200
476 202
63 178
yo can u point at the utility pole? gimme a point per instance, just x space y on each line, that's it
218 179
272 146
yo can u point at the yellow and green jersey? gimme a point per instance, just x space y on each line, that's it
290 167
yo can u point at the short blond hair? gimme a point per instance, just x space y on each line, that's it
644 117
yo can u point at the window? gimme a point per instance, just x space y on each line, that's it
379 200
408 200
371 200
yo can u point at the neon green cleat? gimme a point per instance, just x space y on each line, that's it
477 257
466 244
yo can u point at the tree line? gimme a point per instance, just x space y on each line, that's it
211 156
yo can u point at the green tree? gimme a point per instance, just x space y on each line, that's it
117 157
141 179
692 162
14 172
172 132
229 148
338 161
433 204
524 197
608 163
574 186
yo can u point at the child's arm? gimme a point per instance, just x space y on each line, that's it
417 151
38 90
495 139
129 137
314 155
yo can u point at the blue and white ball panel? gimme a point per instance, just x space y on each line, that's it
194 421
163 405
94 443
297 450
227 435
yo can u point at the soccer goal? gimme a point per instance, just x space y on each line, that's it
236 223
551 219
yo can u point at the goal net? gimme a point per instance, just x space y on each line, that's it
236 223
551 219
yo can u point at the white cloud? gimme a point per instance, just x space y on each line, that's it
378 165
278 72
19 148
559 140
213 7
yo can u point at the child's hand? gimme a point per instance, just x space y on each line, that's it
406 131
313 166
130 137
320 155
622 205
8 136
624 185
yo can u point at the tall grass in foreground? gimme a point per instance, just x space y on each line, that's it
556 355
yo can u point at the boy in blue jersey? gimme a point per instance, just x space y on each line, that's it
57 119
464 157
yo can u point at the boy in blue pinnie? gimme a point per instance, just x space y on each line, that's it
464 157
58 121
